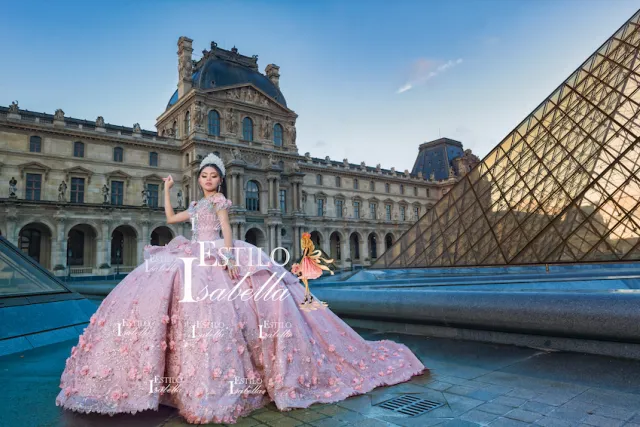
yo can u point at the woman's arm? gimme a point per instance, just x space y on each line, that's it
223 216
225 226
172 217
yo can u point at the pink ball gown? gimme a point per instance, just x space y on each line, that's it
217 358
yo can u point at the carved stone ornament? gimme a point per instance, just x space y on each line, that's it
231 122
266 127
291 130
185 70
236 154
100 122
59 114
198 115
13 108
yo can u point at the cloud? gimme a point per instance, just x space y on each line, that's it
424 69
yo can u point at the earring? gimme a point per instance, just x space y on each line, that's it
218 188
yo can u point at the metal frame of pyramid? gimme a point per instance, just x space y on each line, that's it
562 187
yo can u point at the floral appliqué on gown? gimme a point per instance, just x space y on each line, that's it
219 359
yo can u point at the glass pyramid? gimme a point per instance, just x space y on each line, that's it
563 187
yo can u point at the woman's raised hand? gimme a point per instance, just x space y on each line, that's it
168 182
232 268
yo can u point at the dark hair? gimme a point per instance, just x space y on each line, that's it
223 186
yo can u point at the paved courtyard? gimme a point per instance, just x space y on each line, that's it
477 385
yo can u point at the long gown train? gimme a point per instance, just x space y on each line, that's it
218 358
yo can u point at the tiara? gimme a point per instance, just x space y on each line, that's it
212 159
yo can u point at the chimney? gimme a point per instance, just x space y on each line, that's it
273 72
185 66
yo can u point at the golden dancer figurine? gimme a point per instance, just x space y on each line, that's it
309 268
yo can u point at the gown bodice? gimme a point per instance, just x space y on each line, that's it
204 217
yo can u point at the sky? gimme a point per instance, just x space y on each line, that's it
370 80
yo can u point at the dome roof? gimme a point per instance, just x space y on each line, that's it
220 68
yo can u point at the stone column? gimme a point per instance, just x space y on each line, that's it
363 251
293 197
379 246
12 232
326 246
345 250
60 244
230 191
106 238
142 241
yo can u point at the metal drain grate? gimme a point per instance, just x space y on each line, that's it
410 405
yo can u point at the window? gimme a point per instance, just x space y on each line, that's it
117 193
78 149
372 210
401 188
339 205
387 187
214 123
277 135
372 186
388 211
320 207
283 200
152 200
186 159
415 191
77 190
338 183
355 183
416 212
247 129
428 193
176 129
356 209
187 123
118 154
253 196
318 179
34 185
153 159
35 144
402 213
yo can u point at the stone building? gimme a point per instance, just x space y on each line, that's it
88 195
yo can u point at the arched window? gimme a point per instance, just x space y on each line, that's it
247 129
187 123
277 135
118 154
253 196
78 149
35 144
214 123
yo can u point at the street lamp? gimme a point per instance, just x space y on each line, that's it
117 261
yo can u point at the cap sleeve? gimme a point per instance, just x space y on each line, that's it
221 202
192 208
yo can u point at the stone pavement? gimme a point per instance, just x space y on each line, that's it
478 384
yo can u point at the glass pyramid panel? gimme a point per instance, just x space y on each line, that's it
563 186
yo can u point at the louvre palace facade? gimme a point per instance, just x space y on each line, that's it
84 197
